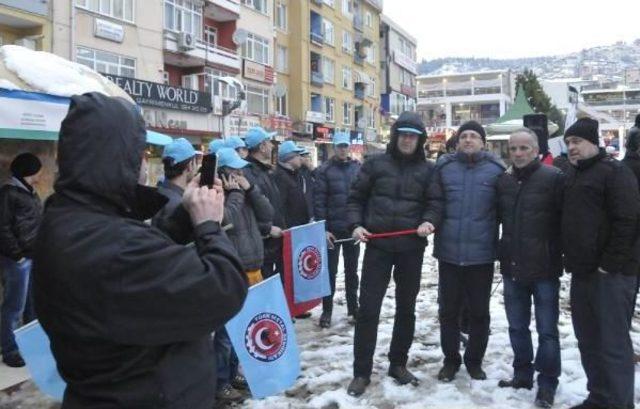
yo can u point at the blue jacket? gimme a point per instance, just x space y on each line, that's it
468 231
331 191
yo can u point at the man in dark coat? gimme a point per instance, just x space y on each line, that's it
20 216
291 185
333 180
129 313
390 194
179 160
466 247
260 173
600 230
530 253
632 157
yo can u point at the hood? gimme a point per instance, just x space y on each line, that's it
102 140
410 120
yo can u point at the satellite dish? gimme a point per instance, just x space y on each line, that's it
362 123
240 36
279 90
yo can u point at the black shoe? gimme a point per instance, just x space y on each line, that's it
402 375
303 315
544 398
239 382
14 360
228 394
358 385
476 372
516 384
325 320
448 372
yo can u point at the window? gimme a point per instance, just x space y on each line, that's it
371 55
406 48
191 82
120 9
281 105
368 19
106 63
281 16
371 89
346 77
329 109
218 88
371 118
257 5
347 42
165 77
346 7
327 31
282 59
328 70
211 35
183 16
257 100
347 112
256 49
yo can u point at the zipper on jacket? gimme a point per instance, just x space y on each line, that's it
516 227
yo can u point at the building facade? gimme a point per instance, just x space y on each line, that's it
447 101
26 23
332 77
399 70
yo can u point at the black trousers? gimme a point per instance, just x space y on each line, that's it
376 274
601 310
469 286
351 253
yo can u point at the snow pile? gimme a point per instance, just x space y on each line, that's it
9 85
45 72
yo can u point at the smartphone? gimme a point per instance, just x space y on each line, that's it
209 170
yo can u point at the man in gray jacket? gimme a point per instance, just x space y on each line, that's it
465 246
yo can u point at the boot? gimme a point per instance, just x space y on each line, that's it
544 398
402 375
228 394
358 385
325 320
448 372
14 360
516 384
476 372
239 382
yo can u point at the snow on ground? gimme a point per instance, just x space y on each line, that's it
327 356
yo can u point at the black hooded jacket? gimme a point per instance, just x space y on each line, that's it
129 313
390 193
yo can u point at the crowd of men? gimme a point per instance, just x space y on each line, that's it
135 310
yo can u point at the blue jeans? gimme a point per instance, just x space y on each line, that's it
226 358
517 301
17 305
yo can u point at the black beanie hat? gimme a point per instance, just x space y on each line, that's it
472 126
585 128
25 164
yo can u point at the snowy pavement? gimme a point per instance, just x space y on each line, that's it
327 355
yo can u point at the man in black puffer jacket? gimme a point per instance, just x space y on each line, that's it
600 229
530 253
20 216
333 180
390 194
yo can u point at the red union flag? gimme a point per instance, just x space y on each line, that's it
306 272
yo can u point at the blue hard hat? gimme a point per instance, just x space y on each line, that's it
179 150
256 135
235 142
216 145
157 138
288 149
341 138
229 158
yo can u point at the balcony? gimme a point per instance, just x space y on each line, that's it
357 59
317 79
316 38
222 10
201 54
30 6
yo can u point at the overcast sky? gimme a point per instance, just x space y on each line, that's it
514 28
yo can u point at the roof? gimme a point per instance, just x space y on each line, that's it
398 28
519 108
